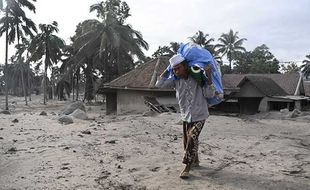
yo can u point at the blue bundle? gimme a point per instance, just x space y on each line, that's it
198 57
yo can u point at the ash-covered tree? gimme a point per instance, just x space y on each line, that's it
263 61
291 67
306 67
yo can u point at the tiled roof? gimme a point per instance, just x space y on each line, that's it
288 82
141 76
144 75
265 85
307 88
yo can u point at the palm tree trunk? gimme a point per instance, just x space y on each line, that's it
45 81
77 84
29 86
47 58
6 61
44 84
53 89
107 70
72 83
24 88
22 72
89 85
229 57
119 67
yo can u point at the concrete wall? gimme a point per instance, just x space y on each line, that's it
264 106
298 105
266 101
132 101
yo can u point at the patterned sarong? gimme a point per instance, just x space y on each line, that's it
191 133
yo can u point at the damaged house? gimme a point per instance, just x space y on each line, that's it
252 93
135 92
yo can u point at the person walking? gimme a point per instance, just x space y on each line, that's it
191 97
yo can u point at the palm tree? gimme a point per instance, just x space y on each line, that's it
18 70
174 46
167 50
229 44
202 39
85 57
18 27
67 70
48 45
13 10
21 49
306 67
116 8
108 45
21 68
119 39
61 86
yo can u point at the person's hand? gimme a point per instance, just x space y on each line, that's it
208 72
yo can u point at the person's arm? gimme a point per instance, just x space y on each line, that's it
164 82
209 89
208 72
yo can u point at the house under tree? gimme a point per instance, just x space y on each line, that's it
135 91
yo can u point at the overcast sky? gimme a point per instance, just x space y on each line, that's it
283 25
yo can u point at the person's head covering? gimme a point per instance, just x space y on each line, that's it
176 59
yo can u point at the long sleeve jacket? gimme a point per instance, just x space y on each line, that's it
191 97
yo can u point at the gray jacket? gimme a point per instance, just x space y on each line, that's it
191 97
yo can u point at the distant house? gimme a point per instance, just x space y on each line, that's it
307 88
127 93
264 92
246 94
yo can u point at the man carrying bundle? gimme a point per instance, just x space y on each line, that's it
192 98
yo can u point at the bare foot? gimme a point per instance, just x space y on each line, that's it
185 173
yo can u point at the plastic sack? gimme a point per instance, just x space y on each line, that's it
198 57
